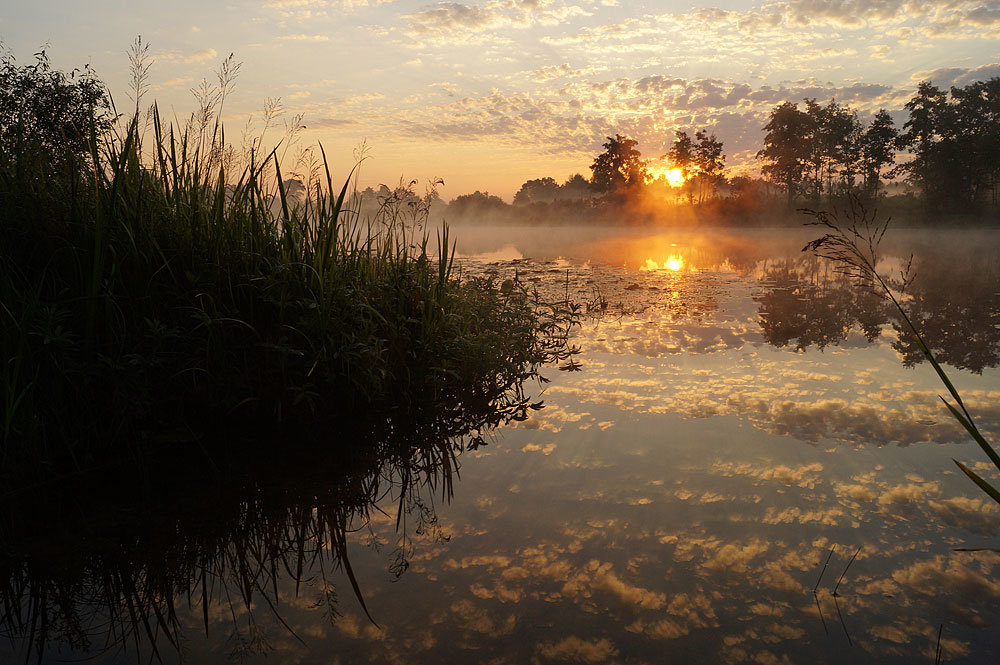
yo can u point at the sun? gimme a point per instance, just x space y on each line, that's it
673 176
674 263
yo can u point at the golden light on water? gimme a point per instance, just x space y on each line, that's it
673 263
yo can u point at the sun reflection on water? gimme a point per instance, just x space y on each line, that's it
674 263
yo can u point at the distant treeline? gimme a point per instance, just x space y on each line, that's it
943 161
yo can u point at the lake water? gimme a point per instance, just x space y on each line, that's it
742 435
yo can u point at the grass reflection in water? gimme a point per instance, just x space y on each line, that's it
119 563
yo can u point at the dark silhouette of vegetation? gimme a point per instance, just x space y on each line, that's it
955 141
877 151
948 153
47 116
805 304
619 168
158 286
547 190
851 243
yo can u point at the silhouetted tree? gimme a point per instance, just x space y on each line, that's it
710 161
49 114
926 135
541 190
575 188
620 166
787 148
834 146
477 203
877 150
682 156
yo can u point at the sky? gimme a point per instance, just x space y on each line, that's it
486 94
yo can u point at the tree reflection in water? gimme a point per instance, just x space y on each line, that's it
955 303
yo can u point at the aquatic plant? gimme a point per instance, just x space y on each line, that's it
852 244
160 285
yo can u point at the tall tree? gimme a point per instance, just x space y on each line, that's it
683 156
877 150
619 167
836 131
710 162
787 148
927 134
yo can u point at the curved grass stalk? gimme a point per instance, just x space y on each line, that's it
852 245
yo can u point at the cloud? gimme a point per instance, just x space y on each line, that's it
448 23
199 56
305 38
950 584
578 650
573 116
947 77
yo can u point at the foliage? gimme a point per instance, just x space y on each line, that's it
955 140
877 151
105 578
786 150
542 190
619 167
184 290
47 111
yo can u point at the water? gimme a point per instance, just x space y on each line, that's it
743 434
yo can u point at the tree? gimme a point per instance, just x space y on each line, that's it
833 146
619 167
682 156
541 190
576 187
877 150
954 139
929 118
710 161
476 204
47 115
787 147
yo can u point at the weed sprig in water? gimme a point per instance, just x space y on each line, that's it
852 243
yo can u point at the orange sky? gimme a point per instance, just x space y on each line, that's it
488 94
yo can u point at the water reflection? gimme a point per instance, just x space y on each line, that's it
130 564
803 304
729 435
956 306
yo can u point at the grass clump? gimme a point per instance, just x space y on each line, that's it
156 284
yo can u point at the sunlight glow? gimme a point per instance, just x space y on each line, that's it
673 263
673 176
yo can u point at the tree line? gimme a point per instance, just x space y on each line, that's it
947 151
949 144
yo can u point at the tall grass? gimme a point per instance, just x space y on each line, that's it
852 244
157 285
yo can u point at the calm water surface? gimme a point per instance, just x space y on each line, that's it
740 424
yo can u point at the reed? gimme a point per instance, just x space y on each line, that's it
156 284
851 242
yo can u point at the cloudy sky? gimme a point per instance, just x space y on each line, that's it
488 93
